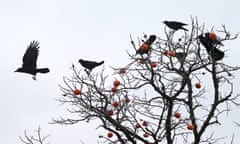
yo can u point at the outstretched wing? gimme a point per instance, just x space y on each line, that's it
30 56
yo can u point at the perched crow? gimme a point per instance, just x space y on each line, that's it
216 42
30 61
215 53
90 64
148 43
175 25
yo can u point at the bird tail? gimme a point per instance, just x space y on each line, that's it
151 39
184 29
218 54
100 62
43 70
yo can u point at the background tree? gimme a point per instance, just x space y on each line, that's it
174 92
34 139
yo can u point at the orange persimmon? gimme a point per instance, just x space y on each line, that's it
153 65
171 53
115 104
190 127
116 83
109 134
114 89
212 36
177 114
145 123
144 47
77 91
137 125
145 135
127 100
110 112
198 85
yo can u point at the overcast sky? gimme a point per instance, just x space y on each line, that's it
93 29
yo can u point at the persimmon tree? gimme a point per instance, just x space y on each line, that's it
174 93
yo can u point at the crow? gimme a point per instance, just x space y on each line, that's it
148 42
29 65
175 25
216 41
90 64
215 53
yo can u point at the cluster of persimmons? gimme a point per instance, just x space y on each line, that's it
117 83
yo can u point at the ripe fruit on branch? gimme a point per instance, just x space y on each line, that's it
177 115
137 125
145 123
212 36
115 104
77 91
127 100
144 47
116 83
171 54
109 134
153 65
114 89
110 112
198 85
145 135
190 127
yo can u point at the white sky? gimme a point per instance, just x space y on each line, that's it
91 29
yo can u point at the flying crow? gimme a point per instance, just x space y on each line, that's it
175 25
90 64
30 61
215 53
146 46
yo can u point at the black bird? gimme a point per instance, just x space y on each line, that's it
90 64
215 53
30 61
216 41
175 25
148 42
151 39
